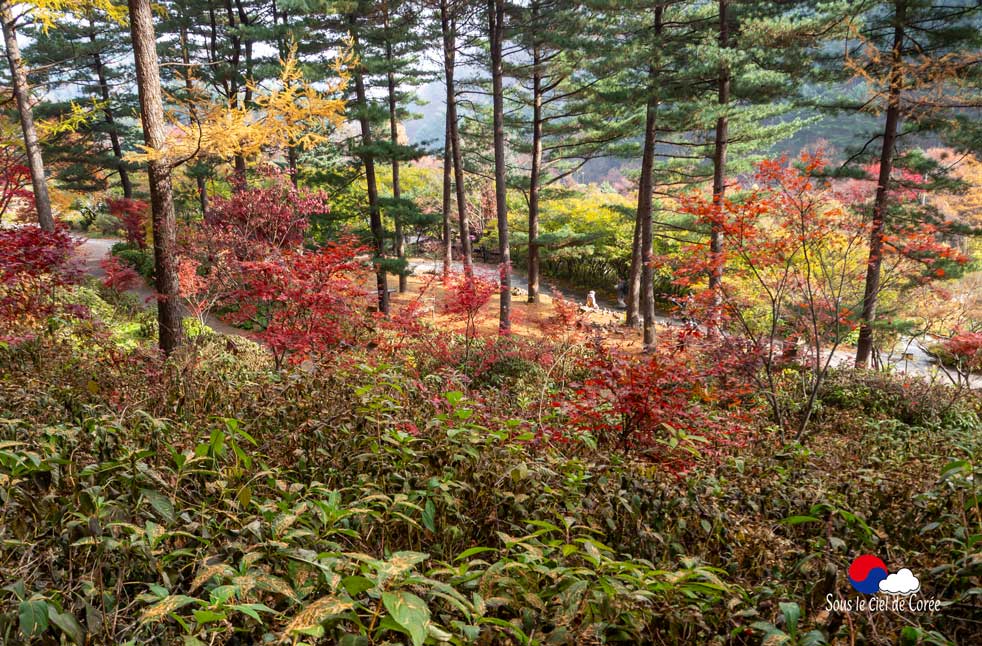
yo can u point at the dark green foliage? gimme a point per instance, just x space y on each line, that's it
84 63
139 259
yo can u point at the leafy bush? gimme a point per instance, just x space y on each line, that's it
304 303
134 219
270 215
421 490
660 403
906 399
119 277
965 350
141 260
330 559
34 267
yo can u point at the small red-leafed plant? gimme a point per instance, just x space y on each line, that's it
15 178
667 405
965 350
305 304
35 267
466 296
133 216
118 276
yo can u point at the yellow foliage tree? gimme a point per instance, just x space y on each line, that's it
76 118
47 13
288 115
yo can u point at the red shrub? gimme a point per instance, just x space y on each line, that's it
466 294
34 264
966 349
666 405
14 180
567 322
304 303
248 259
133 216
119 277
256 220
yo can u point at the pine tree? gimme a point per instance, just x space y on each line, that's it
915 58
628 92
368 153
445 208
552 110
400 40
221 39
749 61
450 17
82 59
184 52
646 187
44 13
496 38
18 74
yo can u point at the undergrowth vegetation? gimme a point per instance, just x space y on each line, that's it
437 488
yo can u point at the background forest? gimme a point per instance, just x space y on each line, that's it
375 322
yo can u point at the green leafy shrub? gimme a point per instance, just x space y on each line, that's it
139 259
907 399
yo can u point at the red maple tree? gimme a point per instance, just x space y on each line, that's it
15 178
133 216
256 220
303 304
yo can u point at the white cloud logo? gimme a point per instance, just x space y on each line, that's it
901 582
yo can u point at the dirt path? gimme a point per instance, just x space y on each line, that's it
519 281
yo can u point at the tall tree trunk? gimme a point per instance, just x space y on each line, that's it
447 190
719 162
632 317
161 195
202 195
284 50
496 17
448 28
291 157
18 77
375 216
189 86
239 161
645 189
100 71
394 137
536 169
864 346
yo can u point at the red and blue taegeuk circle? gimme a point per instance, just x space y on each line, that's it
866 572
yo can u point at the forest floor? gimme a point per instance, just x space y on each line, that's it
909 357
530 319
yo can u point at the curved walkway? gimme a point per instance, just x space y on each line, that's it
93 250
